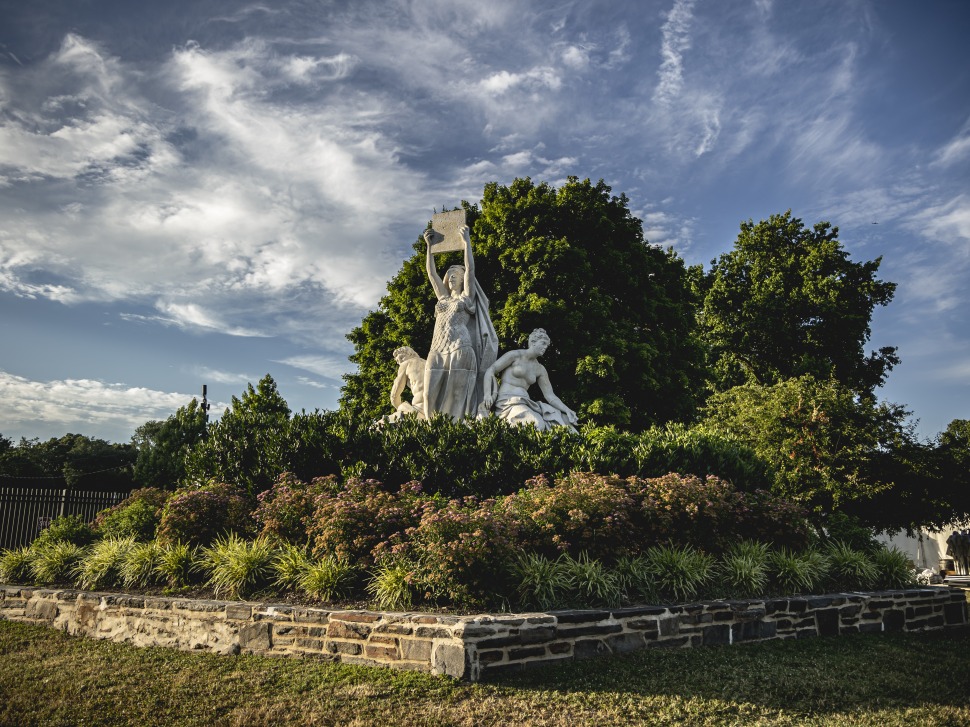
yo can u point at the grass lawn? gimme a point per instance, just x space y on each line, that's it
48 678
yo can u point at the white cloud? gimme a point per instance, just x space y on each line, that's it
193 315
528 163
956 150
81 403
665 229
306 69
764 6
676 41
503 81
518 160
326 366
575 57
222 377
947 224
314 384
620 54
934 269
265 198
833 147
712 128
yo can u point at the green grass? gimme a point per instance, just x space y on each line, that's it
48 678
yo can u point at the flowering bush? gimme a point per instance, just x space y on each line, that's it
137 516
462 548
197 516
609 517
711 514
772 519
580 513
285 510
363 520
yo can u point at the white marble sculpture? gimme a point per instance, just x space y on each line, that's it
410 374
510 398
464 343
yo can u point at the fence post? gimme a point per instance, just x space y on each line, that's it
63 502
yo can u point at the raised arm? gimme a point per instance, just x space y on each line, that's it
469 260
436 283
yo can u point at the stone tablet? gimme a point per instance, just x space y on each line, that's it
445 226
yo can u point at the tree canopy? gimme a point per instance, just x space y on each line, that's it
788 301
574 261
822 439
248 445
164 445
74 460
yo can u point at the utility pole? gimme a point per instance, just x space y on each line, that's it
205 409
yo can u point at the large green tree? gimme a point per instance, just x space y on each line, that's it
788 301
827 444
164 445
249 445
572 260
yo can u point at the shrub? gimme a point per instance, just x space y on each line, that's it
178 564
101 564
137 516
290 564
849 569
363 520
284 511
580 513
393 584
711 514
589 582
679 572
743 570
489 457
635 579
769 518
604 449
893 568
796 572
15 566
327 578
540 582
484 458
318 442
140 565
699 451
198 516
849 530
238 567
462 549
67 529
54 561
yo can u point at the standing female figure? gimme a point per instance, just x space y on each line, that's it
464 343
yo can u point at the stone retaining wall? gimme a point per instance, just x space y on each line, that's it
470 647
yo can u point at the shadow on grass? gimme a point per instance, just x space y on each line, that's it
807 675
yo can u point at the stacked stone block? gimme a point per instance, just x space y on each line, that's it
471 647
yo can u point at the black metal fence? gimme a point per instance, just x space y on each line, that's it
25 511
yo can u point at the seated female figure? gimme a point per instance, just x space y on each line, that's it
519 370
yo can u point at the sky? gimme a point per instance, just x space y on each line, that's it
206 192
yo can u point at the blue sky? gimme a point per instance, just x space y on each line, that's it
206 192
